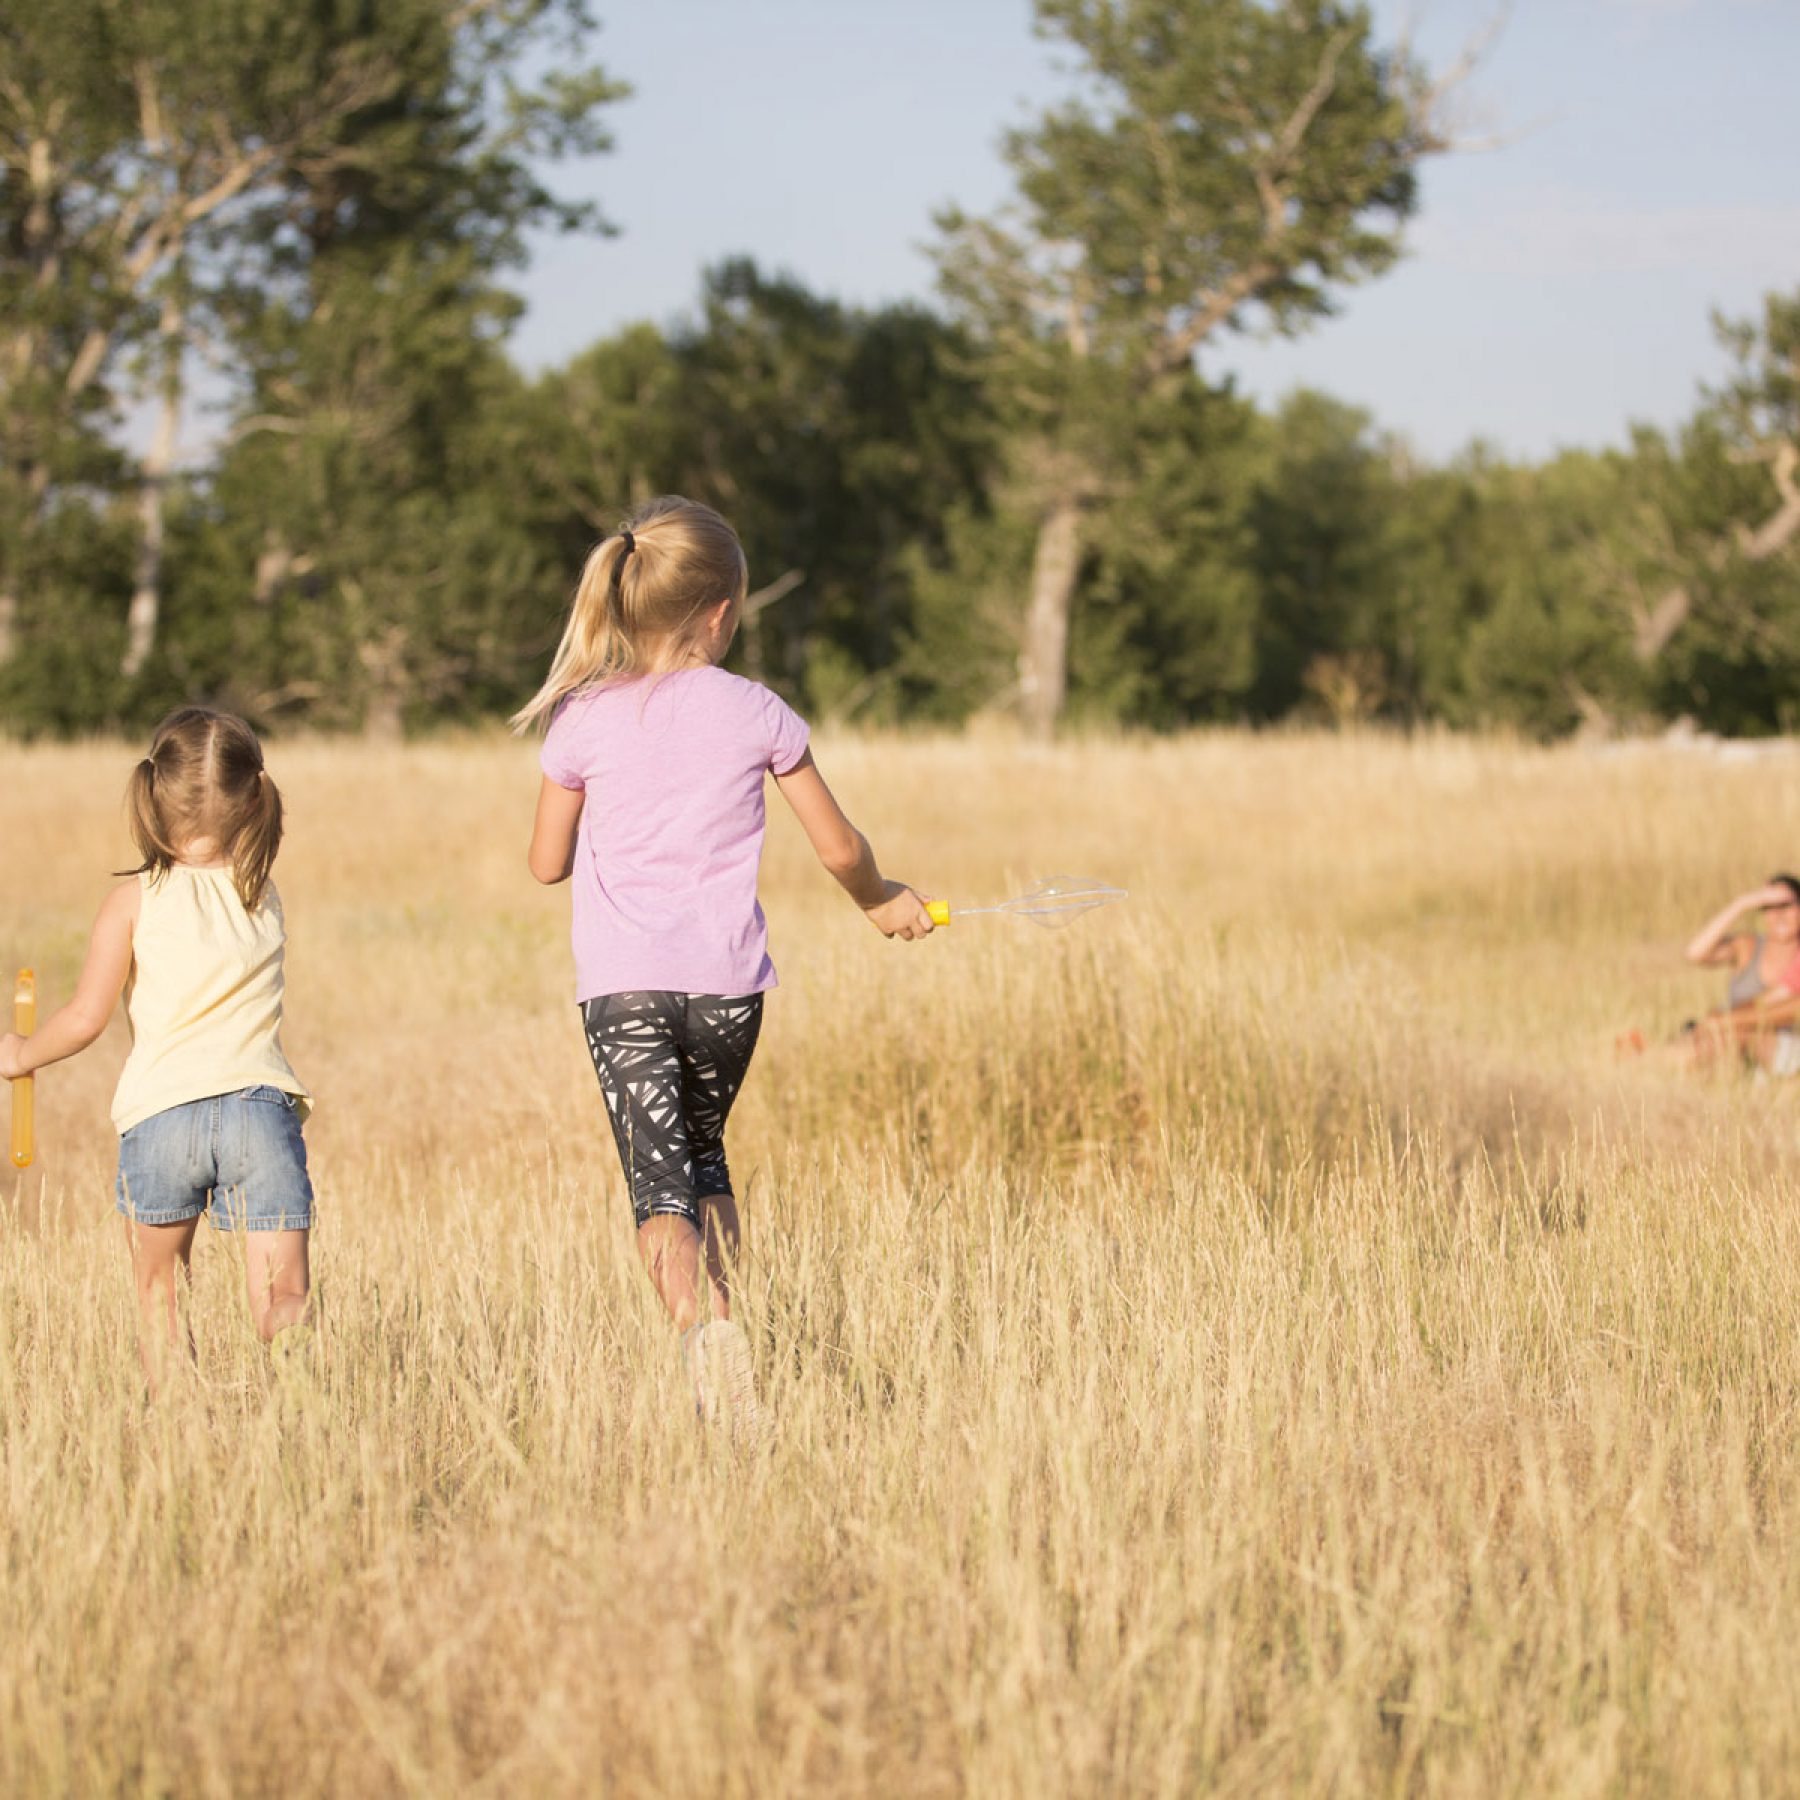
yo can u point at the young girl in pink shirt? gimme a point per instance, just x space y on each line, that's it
652 806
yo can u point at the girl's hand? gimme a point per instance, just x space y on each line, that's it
12 1063
900 913
1776 894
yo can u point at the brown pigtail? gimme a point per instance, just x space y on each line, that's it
204 780
257 839
144 820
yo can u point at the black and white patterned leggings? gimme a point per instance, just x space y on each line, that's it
670 1066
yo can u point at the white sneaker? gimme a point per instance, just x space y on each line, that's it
724 1378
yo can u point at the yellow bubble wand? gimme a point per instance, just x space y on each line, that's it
24 1122
1052 902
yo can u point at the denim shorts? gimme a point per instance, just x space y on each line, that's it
239 1158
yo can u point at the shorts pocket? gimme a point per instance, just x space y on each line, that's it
263 1183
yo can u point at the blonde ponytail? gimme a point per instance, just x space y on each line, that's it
595 647
642 600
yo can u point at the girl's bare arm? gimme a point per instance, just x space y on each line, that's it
1713 943
71 1028
893 908
552 854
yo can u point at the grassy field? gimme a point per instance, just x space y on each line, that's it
1254 1340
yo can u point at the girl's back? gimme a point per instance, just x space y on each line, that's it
204 995
672 768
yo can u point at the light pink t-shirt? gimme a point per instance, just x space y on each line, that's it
671 834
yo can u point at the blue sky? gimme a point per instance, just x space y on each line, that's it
1558 287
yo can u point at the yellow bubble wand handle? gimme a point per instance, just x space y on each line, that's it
939 911
24 1123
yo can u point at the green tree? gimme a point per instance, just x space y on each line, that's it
1321 518
132 138
1167 631
1718 536
1544 650
836 439
359 562
172 178
1223 156
367 313
1680 552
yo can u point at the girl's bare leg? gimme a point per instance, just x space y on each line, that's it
1714 1045
277 1274
719 1221
672 1252
1760 1049
717 1352
1726 1043
159 1258
670 1248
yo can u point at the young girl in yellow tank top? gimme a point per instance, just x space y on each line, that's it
207 1107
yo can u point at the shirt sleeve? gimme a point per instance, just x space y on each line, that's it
788 733
557 758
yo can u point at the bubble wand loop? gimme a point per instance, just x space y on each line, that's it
24 1089
1051 903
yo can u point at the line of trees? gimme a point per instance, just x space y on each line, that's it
1031 498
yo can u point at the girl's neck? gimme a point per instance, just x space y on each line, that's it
200 853
677 664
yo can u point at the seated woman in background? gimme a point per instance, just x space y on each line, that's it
1762 1002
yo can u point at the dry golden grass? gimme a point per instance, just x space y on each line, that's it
1252 1341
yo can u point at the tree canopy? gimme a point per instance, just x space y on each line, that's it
1035 498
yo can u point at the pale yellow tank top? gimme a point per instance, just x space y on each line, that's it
203 996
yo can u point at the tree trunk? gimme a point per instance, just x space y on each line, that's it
1652 629
159 463
23 348
384 716
386 686
1044 650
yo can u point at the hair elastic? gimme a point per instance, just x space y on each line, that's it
630 541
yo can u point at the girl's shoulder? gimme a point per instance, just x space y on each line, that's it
740 688
780 734
753 697
124 901
115 924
